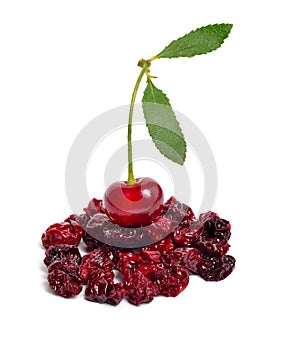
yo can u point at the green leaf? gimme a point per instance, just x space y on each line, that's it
197 42
162 124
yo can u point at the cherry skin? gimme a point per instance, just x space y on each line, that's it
134 205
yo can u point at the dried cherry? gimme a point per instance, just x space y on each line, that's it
178 213
210 268
101 289
60 251
94 206
139 288
62 233
93 263
171 281
186 246
214 226
187 234
212 246
64 278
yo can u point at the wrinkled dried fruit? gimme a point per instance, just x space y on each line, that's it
212 246
94 206
124 236
128 260
58 252
101 289
91 242
140 289
216 269
210 268
178 213
154 252
187 235
62 233
81 220
214 226
213 235
116 294
186 246
98 286
96 225
93 263
113 253
146 268
158 229
163 246
64 278
171 281
101 229
152 255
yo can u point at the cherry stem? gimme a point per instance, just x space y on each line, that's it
144 64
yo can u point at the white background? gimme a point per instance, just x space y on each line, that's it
64 62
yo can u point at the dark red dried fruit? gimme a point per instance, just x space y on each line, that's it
62 233
101 229
113 253
214 226
187 235
210 268
154 252
75 220
188 245
101 289
171 281
91 242
98 286
163 246
213 235
116 294
152 255
93 263
94 206
128 260
178 213
64 278
80 220
58 252
176 257
216 269
97 224
146 268
159 229
139 288
94 230
191 259
126 237
212 246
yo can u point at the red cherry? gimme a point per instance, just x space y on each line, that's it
134 205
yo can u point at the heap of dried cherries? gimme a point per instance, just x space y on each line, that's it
191 246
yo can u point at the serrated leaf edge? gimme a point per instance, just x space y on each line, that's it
210 25
183 160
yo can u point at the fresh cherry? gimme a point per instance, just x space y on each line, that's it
134 205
